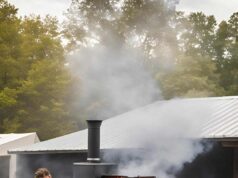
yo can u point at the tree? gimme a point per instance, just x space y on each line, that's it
199 34
112 24
231 72
195 72
194 76
34 80
226 48
10 41
9 59
42 100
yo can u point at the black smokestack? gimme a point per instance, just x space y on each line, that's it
93 168
94 140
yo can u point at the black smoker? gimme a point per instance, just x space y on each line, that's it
93 168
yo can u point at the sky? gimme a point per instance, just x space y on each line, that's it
222 9
42 7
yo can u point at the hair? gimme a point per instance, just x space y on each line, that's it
41 172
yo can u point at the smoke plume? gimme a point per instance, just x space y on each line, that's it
168 134
112 81
114 58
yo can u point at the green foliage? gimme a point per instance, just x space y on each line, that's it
7 98
106 23
194 76
206 44
226 46
9 45
40 39
44 97
34 81
199 34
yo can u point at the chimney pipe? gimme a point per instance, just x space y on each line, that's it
94 140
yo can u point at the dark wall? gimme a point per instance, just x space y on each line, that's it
4 166
60 165
216 163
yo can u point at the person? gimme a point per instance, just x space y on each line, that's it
42 173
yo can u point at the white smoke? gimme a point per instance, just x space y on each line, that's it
112 81
111 68
168 134
172 4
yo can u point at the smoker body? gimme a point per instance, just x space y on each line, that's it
93 170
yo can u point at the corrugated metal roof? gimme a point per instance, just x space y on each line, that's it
219 117
6 138
224 120
11 141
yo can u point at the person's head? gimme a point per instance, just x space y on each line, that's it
42 173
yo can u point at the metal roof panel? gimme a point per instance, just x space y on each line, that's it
221 122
